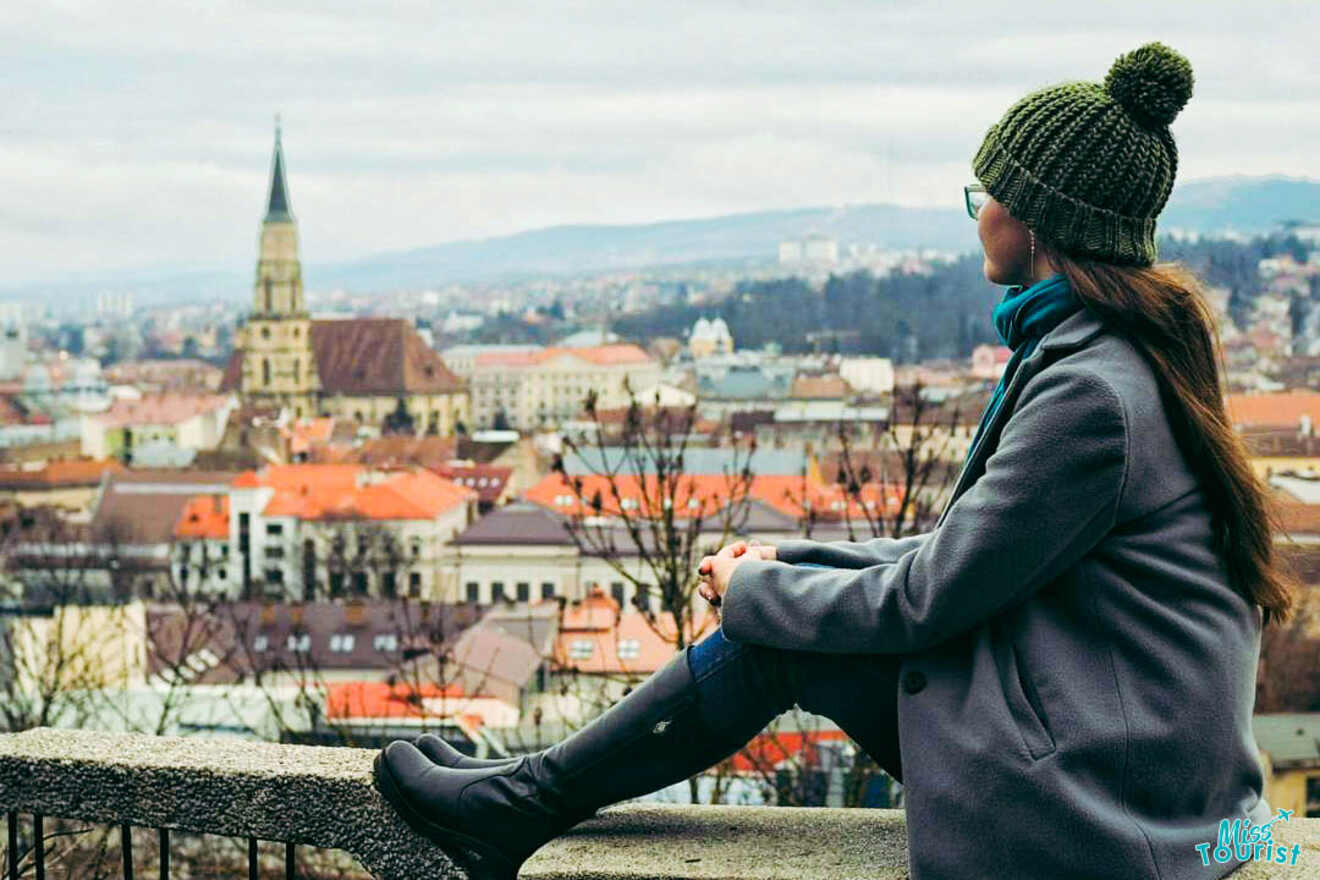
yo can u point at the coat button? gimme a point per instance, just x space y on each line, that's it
914 681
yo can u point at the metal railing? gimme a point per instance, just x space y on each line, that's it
296 796
16 857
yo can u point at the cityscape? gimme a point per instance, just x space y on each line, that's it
461 489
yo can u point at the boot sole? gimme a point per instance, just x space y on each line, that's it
478 858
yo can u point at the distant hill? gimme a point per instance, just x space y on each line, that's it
563 250
1243 204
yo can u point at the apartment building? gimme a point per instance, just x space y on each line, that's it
529 388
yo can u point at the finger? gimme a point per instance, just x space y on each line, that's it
734 550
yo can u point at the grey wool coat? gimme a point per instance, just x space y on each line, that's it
1077 677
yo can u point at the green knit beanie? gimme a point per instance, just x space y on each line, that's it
1089 166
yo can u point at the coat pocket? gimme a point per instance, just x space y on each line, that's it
1022 698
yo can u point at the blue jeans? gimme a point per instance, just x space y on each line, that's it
742 687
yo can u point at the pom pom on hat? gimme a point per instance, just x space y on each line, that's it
1152 83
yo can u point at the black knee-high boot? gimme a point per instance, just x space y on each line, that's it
492 818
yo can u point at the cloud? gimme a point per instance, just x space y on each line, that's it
138 133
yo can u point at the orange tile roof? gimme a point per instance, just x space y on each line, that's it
379 699
306 433
54 474
1294 517
1280 409
161 409
337 491
630 646
820 388
768 750
596 612
204 516
601 355
789 494
506 358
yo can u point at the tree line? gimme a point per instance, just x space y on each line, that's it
944 312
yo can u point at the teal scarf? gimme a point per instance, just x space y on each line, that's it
1023 316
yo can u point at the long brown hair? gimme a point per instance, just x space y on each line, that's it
1164 311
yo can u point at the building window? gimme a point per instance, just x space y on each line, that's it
297 374
496 591
473 591
265 371
275 576
301 642
336 584
260 644
524 591
222 575
274 552
309 568
630 649
387 584
547 589
415 584
386 642
616 590
1313 797
415 547
360 583
579 649
341 643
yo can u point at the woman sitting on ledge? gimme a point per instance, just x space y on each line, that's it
1062 672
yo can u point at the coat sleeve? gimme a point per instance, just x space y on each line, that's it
848 554
1049 493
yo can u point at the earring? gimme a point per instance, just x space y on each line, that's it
1031 266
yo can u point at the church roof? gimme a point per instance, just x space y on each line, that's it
278 207
368 356
378 356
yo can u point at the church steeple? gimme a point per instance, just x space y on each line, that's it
277 208
279 366
278 292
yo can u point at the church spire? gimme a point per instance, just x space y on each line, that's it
278 210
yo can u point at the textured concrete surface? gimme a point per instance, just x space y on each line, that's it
1302 832
663 841
324 797
304 794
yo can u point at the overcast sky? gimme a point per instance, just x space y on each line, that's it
139 134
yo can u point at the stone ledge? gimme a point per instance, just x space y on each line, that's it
324 797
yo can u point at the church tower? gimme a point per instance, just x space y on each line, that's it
279 367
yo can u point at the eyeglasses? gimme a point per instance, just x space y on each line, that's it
976 197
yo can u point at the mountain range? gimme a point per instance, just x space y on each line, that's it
1243 204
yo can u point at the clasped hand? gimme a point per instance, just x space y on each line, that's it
716 571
